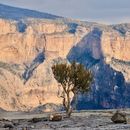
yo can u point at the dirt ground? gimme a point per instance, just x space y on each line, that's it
84 120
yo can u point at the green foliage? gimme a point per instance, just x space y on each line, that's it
62 73
73 78
80 77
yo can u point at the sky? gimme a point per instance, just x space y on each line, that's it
102 11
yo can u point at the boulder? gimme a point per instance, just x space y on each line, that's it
119 117
8 125
35 120
55 117
4 123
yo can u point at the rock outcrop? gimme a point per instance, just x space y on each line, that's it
119 117
30 45
26 56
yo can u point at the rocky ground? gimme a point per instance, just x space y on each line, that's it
84 120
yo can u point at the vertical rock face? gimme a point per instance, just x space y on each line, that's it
30 46
27 50
115 45
7 27
51 37
110 67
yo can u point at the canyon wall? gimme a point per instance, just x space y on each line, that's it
27 50
29 47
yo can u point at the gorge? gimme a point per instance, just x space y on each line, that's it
31 42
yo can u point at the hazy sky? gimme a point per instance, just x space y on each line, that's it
105 11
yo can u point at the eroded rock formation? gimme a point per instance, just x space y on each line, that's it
29 46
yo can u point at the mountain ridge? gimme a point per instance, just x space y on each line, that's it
16 13
30 46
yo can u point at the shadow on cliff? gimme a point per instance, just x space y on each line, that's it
109 89
88 50
35 63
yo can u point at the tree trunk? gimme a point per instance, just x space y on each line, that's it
68 110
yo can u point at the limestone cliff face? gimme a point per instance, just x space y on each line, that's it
40 89
27 50
7 26
29 47
115 45
37 36
110 65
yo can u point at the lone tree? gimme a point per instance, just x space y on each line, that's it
74 78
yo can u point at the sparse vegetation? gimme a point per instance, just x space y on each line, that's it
74 78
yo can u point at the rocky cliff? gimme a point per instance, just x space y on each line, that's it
30 44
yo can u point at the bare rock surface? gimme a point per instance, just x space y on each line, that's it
31 42
84 120
119 117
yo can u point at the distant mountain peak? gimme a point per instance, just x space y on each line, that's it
14 13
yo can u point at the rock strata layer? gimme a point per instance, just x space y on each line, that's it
29 47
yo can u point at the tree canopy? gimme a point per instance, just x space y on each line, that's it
73 78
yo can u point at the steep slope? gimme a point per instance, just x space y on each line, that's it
8 12
30 43
27 47
99 51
